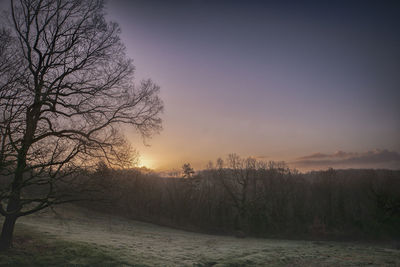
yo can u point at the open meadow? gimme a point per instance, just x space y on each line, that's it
86 238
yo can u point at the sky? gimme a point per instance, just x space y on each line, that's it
313 83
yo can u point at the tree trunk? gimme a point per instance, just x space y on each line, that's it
13 207
7 232
14 201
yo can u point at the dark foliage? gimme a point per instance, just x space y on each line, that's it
260 199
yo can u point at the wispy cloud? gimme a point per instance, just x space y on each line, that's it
379 158
261 157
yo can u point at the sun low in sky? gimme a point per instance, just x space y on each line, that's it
146 162
313 83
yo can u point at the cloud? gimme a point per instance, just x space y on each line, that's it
261 157
379 158
314 156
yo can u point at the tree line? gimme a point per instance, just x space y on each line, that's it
265 199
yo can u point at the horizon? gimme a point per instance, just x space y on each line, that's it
346 161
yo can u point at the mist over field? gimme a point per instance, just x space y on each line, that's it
133 243
199 133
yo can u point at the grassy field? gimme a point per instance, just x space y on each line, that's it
75 237
33 248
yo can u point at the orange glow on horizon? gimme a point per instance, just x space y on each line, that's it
146 162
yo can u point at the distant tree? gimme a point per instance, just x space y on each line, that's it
65 89
236 183
187 170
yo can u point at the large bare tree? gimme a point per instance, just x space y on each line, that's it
66 88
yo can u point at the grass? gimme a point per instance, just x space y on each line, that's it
32 248
79 237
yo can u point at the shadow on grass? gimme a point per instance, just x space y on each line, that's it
33 249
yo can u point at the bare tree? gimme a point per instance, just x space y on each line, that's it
241 172
66 88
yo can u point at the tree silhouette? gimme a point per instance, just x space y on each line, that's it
187 170
66 88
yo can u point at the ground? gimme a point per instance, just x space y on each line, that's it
95 239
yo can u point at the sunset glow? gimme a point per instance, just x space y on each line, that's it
280 80
146 162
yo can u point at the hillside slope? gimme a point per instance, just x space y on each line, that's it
140 243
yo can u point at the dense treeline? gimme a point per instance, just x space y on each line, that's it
249 197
